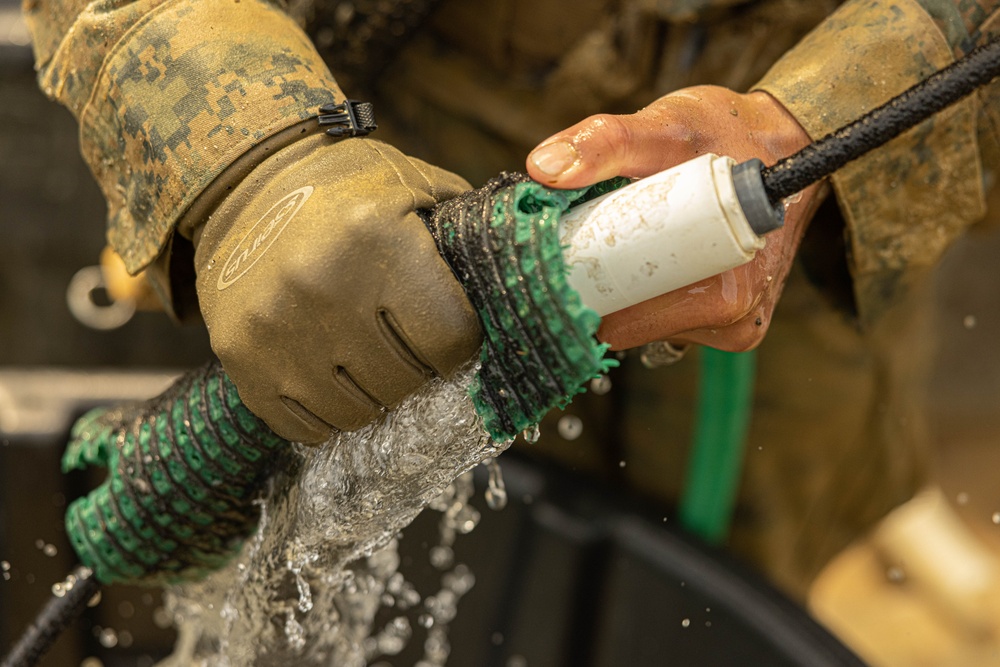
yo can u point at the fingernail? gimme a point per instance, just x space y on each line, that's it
555 158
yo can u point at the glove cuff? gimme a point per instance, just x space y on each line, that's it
182 96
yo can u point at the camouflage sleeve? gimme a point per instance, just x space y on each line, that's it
168 94
906 202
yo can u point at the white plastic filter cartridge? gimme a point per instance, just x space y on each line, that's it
657 234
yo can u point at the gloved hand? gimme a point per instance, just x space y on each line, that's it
730 311
323 292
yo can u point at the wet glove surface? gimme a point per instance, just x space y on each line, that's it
323 292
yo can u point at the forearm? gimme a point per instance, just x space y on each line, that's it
169 94
902 204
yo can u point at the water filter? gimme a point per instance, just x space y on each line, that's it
664 232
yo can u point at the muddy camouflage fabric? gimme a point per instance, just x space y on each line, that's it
837 438
466 89
168 94
907 202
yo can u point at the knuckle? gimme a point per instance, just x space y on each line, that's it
225 345
610 130
748 332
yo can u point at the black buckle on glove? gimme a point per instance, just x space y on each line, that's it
351 118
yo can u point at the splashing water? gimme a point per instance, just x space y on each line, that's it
313 583
496 492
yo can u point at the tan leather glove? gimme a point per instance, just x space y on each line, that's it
323 292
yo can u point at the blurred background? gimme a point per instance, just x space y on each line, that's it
53 366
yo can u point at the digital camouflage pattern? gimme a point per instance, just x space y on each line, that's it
168 94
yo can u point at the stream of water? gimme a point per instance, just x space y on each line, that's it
315 583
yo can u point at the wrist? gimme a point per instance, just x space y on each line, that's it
206 97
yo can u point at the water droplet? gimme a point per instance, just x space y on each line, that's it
441 557
621 464
460 581
996 518
94 601
969 322
531 435
108 637
50 550
305 592
410 598
686 623
4 566
496 491
294 632
125 639
661 353
600 385
466 519
162 618
425 620
58 590
395 636
570 427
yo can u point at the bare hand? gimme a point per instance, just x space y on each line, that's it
730 311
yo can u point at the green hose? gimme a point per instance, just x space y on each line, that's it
725 401
185 469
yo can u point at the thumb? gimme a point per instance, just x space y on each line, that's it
598 148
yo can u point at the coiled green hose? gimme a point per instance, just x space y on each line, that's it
183 472
185 468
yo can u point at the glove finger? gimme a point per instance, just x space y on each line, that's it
388 367
309 411
440 329
335 402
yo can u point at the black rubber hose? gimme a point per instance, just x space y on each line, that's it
820 159
57 614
